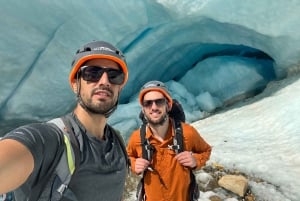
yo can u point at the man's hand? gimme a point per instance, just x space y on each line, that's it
141 165
186 159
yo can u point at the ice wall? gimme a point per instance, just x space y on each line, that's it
210 52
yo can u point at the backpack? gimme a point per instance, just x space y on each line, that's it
178 115
60 174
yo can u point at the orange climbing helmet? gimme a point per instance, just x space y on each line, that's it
97 50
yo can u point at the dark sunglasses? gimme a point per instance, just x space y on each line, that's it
159 102
94 73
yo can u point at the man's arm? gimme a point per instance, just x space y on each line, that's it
16 164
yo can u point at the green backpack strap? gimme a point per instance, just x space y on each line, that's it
74 143
70 158
67 160
37 190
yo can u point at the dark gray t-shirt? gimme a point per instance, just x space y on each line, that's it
102 171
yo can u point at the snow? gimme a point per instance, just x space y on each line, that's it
261 137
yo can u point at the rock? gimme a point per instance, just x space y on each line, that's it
250 197
206 181
218 166
235 183
215 198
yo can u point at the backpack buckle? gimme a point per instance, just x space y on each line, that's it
174 147
149 150
62 188
148 147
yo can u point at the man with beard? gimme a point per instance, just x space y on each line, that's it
166 176
27 154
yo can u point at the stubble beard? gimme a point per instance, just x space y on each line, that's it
100 106
158 122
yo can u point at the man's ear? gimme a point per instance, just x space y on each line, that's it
169 107
74 85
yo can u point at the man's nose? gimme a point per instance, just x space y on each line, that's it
104 79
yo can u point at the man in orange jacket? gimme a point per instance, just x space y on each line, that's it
167 174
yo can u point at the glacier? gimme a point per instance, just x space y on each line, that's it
230 50
211 54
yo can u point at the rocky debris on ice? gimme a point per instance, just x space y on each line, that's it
215 184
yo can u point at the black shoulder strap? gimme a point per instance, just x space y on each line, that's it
178 139
193 187
143 140
178 135
147 148
194 192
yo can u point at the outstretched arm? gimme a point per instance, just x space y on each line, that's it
16 164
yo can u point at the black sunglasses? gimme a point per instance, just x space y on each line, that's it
94 73
159 102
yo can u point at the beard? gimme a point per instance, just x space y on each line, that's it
102 106
157 122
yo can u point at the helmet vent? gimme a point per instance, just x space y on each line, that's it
87 49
